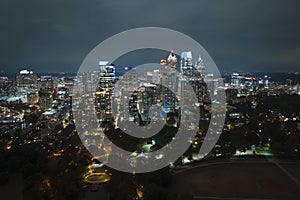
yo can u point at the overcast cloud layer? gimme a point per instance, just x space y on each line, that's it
56 35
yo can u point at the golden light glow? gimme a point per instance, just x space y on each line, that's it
101 92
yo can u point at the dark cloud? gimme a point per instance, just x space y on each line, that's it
53 36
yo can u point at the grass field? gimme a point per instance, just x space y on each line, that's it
241 180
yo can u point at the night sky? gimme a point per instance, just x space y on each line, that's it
240 35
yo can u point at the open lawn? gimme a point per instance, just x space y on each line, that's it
241 180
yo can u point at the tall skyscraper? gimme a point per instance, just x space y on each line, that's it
192 76
45 84
133 107
46 88
199 71
128 92
172 60
130 80
169 82
26 80
186 65
27 86
104 93
155 76
146 98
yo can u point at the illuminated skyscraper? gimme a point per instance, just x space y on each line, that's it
26 80
172 60
194 76
266 81
27 86
169 83
130 80
146 98
237 80
186 65
128 91
199 71
104 92
46 89
155 77
46 84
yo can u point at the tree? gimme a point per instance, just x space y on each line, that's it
31 118
4 178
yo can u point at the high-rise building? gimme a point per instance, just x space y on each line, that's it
133 107
172 60
127 95
231 95
199 71
147 96
6 86
46 88
186 65
237 80
130 80
169 82
266 81
104 93
153 76
27 86
26 80
45 84
149 77
193 76
200 88
156 76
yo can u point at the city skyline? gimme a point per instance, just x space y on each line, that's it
48 118
136 99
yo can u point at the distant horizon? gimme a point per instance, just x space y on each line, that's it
118 71
280 77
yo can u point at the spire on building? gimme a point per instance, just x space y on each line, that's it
199 68
172 60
